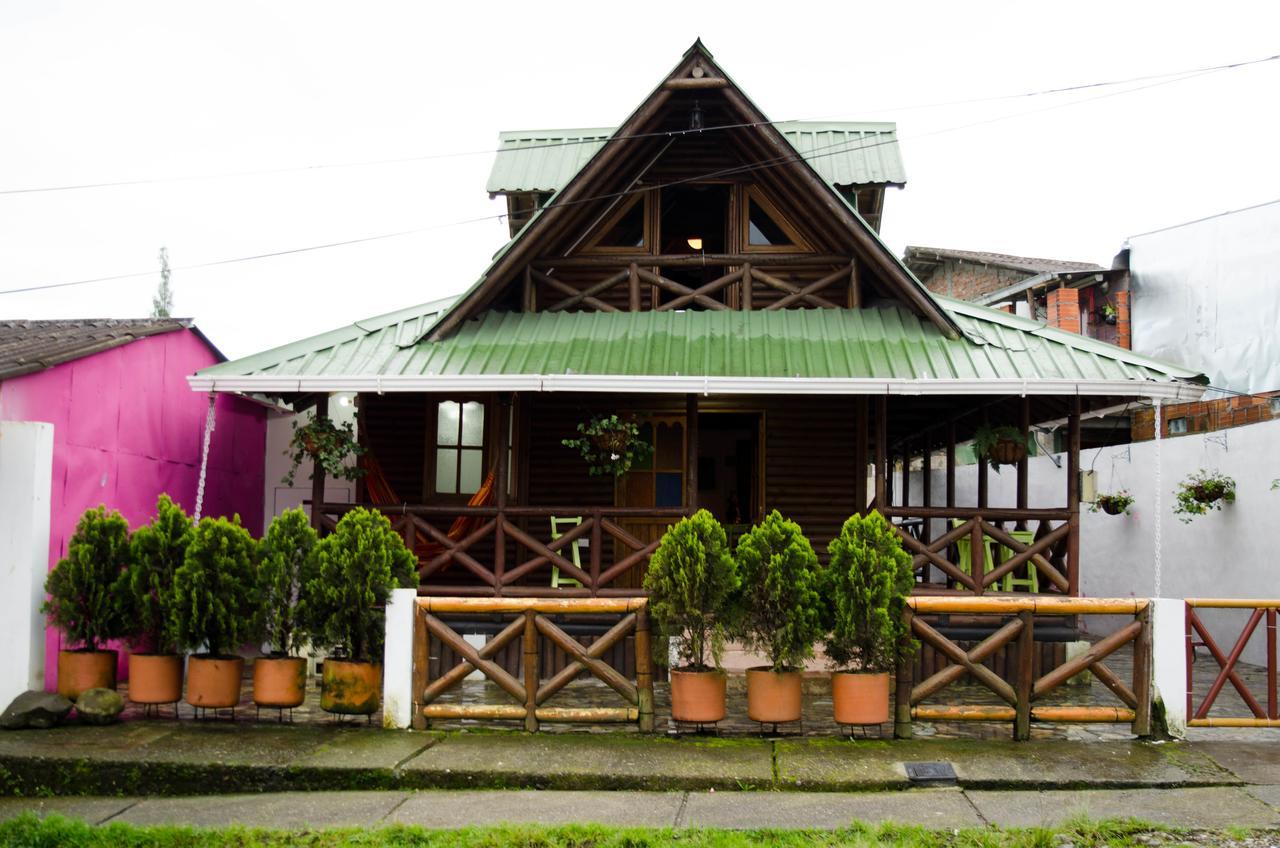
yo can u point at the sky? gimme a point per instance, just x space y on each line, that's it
189 94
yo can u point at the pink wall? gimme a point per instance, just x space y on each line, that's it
126 427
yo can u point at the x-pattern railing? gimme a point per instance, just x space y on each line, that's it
534 619
1018 631
1229 663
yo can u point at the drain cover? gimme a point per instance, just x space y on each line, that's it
931 774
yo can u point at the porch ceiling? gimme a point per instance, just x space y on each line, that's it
882 349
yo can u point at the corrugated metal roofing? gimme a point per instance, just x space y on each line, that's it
886 342
30 346
917 257
844 153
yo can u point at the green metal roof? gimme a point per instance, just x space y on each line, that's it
879 343
843 154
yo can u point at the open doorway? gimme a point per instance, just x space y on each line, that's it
729 483
694 221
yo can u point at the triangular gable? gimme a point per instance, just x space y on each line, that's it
767 147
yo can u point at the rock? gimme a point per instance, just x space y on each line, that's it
99 706
35 709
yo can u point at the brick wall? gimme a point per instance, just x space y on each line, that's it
1203 416
965 281
1064 309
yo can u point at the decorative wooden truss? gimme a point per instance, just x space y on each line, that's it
1260 610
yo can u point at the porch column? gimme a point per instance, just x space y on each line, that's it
1073 499
860 455
906 476
951 464
317 473
882 450
1024 464
691 453
501 475
926 495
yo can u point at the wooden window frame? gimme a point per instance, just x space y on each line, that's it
752 193
429 493
650 235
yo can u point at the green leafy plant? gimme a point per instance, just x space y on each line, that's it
610 445
1201 492
692 581
867 582
327 445
1002 445
1113 504
157 551
286 568
781 613
357 566
212 605
82 602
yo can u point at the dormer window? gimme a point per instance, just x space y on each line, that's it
626 230
765 227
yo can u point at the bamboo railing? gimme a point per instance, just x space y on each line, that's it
1018 631
533 619
1260 610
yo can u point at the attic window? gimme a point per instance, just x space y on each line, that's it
765 227
626 230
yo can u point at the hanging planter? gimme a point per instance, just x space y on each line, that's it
1201 492
610 444
327 446
1115 504
1000 445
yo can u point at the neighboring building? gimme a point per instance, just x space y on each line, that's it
125 425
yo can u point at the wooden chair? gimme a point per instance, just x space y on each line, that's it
574 556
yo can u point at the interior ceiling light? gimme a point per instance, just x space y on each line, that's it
695 243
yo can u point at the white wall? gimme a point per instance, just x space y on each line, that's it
278 497
1226 554
26 464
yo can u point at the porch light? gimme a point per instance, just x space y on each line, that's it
695 243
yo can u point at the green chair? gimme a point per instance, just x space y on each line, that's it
1032 581
964 550
556 532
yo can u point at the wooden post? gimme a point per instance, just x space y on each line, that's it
597 549
860 455
1142 676
317 473
1073 499
1025 676
906 477
502 485
644 670
530 671
983 487
746 287
691 452
528 298
926 495
1271 666
882 450
1024 464
855 295
951 464
633 286
421 665
978 551
902 689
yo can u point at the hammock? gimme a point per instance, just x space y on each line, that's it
381 494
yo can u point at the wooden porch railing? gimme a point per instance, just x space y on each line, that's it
633 271
1047 553
532 619
1020 696
1259 610
611 550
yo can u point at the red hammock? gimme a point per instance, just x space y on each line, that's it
381 494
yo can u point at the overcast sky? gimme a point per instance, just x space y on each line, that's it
115 91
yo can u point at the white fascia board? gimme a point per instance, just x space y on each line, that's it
273 384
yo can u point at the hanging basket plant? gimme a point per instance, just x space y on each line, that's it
610 444
1114 504
1201 492
327 446
1000 445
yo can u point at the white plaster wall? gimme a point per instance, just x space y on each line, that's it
278 497
26 464
1227 554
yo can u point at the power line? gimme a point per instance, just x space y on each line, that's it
841 147
633 136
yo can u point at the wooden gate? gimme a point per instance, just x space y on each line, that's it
1260 610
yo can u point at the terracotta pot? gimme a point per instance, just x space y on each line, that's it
773 697
155 678
214 682
279 681
697 697
1007 452
351 688
81 670
860 698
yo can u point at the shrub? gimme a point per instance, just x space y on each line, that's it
82 602
356 569
781 607
691 583
156 551
212 603
286 566
867 582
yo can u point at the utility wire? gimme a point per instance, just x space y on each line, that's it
846 146
600 140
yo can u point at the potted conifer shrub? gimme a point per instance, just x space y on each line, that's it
157 550
82 604
357 566
692 580
780 614
285 567
212 609
867 582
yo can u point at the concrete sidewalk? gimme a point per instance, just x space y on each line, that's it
1207 808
